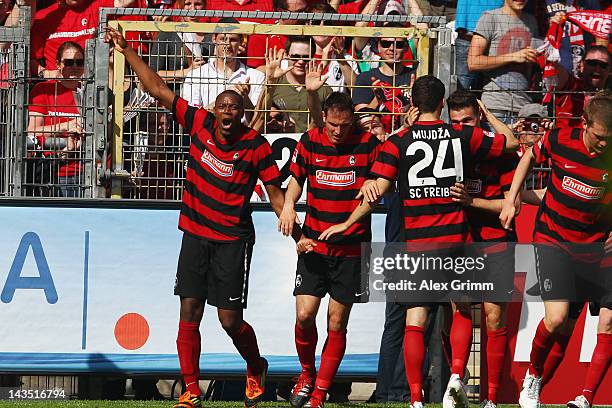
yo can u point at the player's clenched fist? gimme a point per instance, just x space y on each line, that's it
305 245
507 214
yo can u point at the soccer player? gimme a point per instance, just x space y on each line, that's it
335 159
225 160
427 159
574 210
482 192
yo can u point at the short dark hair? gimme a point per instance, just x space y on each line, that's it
338 101
461 99
598 110
66 46
427 93
280 4
295 39
595 48
321 8
233 93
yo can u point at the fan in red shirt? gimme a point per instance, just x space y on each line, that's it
595 70
335 159
55 120
426 160
226 158
66 20
572 224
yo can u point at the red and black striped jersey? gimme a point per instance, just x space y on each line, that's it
221 177
427 159
489 180
578 198
335 174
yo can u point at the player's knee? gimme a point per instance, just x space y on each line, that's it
191 310
336 323
555 322
605 321
494 319
230 324
305 318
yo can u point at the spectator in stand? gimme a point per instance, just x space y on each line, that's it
224 71
175 54
531 125
288 91
503 47
279 122
278 40
74 20
154 167
340 68
55 123
446 8
256 47
365 48
575 40
386 87
468 13
594 71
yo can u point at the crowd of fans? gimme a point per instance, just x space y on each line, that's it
499 48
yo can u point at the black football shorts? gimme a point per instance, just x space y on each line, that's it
500 268
563 277
215 272
318 275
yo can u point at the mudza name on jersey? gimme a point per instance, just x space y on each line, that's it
431 134
221 168
332 178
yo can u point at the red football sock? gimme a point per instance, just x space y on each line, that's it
555 356
600 361
306 345
446 347
496 353
188 344
540 347
333 351
461 341
246 344
414 355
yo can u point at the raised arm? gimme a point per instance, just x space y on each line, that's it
512 143
274 73
314 82
509 208
150 80
479 61
370 8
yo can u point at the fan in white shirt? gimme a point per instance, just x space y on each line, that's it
224 71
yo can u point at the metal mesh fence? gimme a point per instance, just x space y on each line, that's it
200 60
